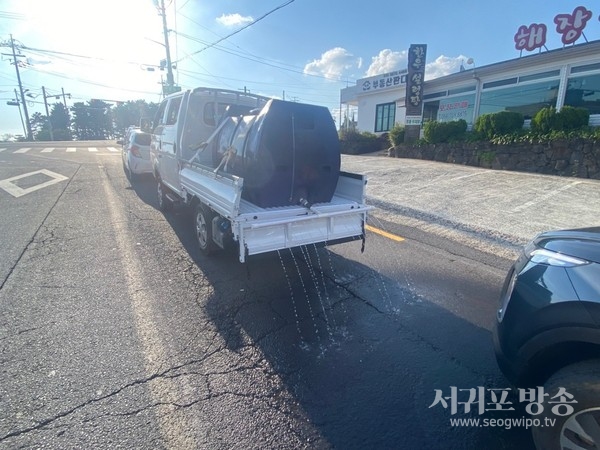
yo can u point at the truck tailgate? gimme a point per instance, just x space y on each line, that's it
260 230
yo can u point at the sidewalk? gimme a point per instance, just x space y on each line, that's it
500 210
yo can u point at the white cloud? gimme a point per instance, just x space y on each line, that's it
232 20
387 61
332 63
444 65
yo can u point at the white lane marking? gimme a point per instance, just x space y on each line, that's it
92 149
17 191
23 150
545 197
112 149
47 150
2 149
71 149
154 347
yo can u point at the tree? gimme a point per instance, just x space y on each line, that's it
92 121
133 113
61 123
40 127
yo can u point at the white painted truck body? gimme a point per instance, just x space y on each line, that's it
255 229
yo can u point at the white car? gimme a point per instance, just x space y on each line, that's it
136 153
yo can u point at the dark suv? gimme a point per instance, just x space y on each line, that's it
547 333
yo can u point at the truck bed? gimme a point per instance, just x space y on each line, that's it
259 230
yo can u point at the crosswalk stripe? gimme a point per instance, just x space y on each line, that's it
68 149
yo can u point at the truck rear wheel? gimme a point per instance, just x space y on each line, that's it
203 217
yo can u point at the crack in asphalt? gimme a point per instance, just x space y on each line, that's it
28 245
165 374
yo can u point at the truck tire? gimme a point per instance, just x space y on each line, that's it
579 429
203 217
164 204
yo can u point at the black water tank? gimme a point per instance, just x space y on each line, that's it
288 154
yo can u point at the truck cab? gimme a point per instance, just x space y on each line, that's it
185 120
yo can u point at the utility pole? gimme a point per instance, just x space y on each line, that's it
57 97
65 99
16 63
20 115
170 80
48 114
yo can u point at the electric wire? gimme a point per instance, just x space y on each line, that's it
238 30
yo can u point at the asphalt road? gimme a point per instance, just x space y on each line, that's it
115 332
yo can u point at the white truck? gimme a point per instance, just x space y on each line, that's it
259 173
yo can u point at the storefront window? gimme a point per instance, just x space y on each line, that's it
385 117
584 92
456 108
527 99
450 108
430 110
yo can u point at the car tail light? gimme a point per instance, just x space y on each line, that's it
550 258
136 151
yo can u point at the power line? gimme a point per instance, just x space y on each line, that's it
11 15
238 30
259 60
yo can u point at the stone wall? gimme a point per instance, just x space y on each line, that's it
574 158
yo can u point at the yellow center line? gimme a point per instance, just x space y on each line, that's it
391 236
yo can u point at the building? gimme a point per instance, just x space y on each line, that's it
565 76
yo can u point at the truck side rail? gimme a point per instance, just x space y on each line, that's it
221 191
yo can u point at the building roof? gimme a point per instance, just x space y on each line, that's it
524 62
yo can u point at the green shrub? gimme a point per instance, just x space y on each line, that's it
355 143
503 122
475 136
396 135
545 120
571 118
506 122
483 126
438 132
568 118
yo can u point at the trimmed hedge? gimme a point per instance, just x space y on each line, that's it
567 119
396 135
438 132
355 143
503 122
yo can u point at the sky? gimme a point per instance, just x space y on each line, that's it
300 50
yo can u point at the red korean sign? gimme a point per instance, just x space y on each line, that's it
570 26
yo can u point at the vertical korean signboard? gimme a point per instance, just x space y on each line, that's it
414 91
